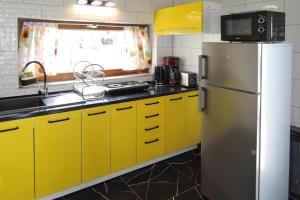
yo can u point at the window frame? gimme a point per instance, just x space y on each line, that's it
83 25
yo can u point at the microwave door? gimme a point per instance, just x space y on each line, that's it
240 27
231 65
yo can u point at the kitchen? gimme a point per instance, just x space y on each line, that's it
52 180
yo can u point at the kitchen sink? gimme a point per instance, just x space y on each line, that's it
20 103
31 103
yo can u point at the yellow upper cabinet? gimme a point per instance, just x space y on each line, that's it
182 19
16 160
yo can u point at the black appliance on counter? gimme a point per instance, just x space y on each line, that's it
168 73
126 87
161 75
259 26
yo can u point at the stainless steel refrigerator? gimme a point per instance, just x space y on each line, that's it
245 100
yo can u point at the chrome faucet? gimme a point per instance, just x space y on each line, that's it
44 91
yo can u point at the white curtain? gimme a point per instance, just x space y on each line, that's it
138 48
38 41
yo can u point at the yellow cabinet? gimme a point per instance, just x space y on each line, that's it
150 148
182 19
175 123
57 152
123 136
95 143
16 160
192 119
151 104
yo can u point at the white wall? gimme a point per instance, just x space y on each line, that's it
127 11
291 7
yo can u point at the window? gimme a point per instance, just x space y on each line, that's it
119 49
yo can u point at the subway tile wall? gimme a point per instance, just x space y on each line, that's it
291 7
127 11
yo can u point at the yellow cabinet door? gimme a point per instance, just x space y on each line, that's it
123 136
16 160
192 119
57 152
150 148
95 143
174 122
181 19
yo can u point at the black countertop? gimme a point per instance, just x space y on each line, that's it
69 101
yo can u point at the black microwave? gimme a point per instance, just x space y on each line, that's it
260 26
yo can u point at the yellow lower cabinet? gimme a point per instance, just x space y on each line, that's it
175 129
192 119
150 148
123 136
16 160
57 152
95 143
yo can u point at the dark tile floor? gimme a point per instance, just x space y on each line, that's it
177 178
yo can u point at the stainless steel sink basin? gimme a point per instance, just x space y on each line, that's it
20 103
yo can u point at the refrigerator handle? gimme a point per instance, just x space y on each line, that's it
202 99
203 67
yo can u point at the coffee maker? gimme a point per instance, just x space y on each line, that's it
168 73
172 65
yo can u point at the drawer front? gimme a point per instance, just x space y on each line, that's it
150 148
146 130
151 116
151 104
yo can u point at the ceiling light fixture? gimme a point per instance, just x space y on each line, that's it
104 3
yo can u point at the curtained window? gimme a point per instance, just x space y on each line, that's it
120 49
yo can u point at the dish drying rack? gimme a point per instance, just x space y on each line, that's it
89 80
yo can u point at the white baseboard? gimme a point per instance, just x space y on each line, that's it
114 175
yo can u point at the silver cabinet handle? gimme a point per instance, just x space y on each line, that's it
202 99
203 67
9 129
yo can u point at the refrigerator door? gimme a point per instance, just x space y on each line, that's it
231 65
228 148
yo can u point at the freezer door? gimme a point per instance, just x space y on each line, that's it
228 149
231 65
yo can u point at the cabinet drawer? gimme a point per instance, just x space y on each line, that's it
150 148
151 116
151 104
146 130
